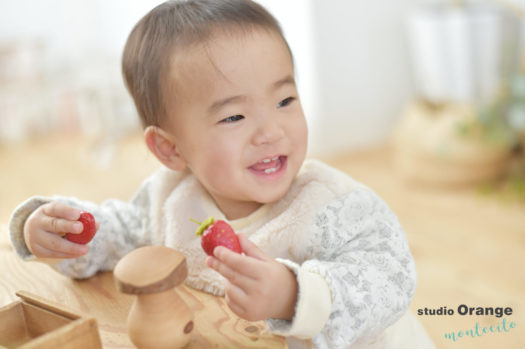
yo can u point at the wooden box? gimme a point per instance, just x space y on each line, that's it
34 322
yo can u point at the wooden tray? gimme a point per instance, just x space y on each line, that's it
35 322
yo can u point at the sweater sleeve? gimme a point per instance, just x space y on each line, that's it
360 254
123 227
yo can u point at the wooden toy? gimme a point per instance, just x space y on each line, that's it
35 322
158 317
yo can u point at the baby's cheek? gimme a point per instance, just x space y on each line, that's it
299 134
218 169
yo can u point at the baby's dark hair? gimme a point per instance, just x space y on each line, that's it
173 26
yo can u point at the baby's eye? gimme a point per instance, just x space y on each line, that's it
232 118
285 102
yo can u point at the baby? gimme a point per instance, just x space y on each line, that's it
325 262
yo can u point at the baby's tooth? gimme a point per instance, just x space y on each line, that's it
270 170
265 161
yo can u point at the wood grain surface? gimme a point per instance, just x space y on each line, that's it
215 325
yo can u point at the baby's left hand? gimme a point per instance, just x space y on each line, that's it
257 287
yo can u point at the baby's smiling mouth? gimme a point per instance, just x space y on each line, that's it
269 164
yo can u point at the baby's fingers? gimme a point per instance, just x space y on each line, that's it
61 226
60 219
233 276
59 210
50 245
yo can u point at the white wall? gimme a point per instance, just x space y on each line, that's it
60 67
73 29
362 72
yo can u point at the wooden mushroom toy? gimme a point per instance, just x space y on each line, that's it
158 318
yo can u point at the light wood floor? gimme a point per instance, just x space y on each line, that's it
468 249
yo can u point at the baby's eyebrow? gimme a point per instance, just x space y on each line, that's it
287 80
217 105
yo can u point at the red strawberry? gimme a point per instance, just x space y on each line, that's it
90 228
217 233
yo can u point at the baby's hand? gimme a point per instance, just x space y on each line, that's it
45 228
257 287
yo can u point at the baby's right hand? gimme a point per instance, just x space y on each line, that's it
45 228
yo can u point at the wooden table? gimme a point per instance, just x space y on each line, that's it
215 325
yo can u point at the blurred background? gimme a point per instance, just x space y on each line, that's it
424 101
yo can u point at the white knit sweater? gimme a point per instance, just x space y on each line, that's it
355 273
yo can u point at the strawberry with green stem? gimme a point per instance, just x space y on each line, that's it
217 233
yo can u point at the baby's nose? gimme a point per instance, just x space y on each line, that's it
268 132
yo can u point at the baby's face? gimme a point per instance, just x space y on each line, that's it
237 120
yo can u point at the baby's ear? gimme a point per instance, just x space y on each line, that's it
162 145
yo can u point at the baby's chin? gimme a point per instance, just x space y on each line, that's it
268 198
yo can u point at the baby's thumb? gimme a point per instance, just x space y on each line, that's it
250 249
